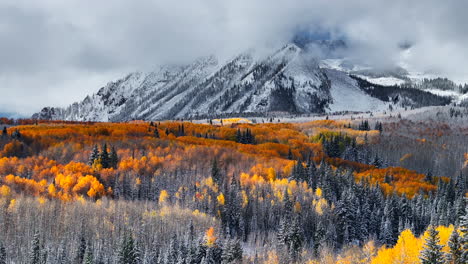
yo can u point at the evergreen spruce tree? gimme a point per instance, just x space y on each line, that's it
35 251
281 234
182 130
238 136
432 251
104 155
295 239
3 255
16 134
128 252
378 126
156 133
62 255
377 162
386 233
94 155
80 253
113 158
44 256
232 251
215 172
455 254
290 155
464 231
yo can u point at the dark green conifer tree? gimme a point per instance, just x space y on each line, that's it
128 252
113 158
432 251
94 155
35 251
104 155
455 254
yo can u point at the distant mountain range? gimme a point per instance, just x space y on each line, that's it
288 80
11 115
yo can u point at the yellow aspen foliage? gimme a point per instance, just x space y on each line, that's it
220 199
41 200
318 192
319 205
163 196
271 174
245 199
12 205
52 190
210 183
97 165
210 237
81 199
406 250
408 247
5 190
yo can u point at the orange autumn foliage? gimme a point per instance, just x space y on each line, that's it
57 163
210 237
403 181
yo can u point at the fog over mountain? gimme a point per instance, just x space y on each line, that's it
55 53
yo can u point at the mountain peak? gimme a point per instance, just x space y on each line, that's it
289 80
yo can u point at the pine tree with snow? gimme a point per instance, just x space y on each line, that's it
454 256
232 251
128 253
386 233
464 231
62 255
432 251
80 253
35 251
295 239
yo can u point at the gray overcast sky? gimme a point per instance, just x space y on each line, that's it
54 52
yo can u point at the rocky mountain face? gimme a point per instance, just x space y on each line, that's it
289 80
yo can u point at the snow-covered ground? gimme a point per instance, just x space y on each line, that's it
430 113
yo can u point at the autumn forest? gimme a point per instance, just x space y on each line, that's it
233 191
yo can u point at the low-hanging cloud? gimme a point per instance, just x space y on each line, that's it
54 52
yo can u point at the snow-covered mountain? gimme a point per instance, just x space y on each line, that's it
288 80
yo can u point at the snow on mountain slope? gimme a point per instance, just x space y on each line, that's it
289 80
285 81
347 96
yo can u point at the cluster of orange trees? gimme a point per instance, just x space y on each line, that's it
54 157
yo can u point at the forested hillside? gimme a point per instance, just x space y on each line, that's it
234 191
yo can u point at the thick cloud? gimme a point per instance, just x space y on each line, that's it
53 52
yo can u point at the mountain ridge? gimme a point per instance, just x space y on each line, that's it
288 80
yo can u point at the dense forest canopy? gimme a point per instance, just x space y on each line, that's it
231 191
